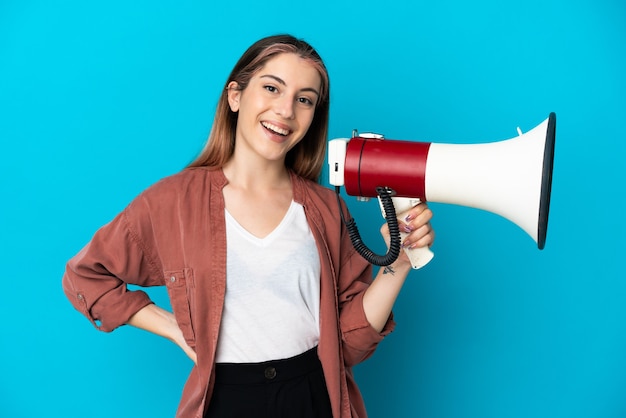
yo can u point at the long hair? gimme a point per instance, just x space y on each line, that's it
307 157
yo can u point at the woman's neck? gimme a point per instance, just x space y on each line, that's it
244 175
258 197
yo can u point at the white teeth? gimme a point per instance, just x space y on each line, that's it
275 128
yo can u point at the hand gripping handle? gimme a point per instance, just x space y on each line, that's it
421 256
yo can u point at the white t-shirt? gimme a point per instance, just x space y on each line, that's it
271 310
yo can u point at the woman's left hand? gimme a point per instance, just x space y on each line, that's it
416 224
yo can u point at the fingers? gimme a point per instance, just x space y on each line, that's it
416 223
421 237
417 216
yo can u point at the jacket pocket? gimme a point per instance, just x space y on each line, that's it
180 288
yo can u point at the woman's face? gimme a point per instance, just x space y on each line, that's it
276 108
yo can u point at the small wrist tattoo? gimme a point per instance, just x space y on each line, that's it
388 270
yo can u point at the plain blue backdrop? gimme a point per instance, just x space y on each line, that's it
98 100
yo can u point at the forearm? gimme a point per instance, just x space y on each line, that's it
156 320
380 297
383 292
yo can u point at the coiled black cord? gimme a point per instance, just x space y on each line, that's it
385 194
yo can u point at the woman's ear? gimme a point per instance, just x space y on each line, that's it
234 93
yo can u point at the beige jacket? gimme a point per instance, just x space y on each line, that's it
174 234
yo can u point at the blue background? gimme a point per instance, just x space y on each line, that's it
98 100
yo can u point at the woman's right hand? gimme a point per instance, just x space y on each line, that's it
158 321
180 341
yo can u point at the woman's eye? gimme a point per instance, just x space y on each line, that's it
271 89
306 101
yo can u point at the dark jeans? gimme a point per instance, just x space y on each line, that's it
290 388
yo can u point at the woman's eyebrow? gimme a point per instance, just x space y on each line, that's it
281 81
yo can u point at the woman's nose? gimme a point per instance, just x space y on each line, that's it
284 106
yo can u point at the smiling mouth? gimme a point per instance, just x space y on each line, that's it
275 129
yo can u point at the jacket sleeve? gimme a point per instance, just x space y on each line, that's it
95 280
360 339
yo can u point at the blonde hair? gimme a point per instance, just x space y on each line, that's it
307 157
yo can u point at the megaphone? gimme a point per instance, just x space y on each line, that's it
511 178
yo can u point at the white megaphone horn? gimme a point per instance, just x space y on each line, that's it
512 178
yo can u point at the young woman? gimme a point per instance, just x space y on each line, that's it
269 298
